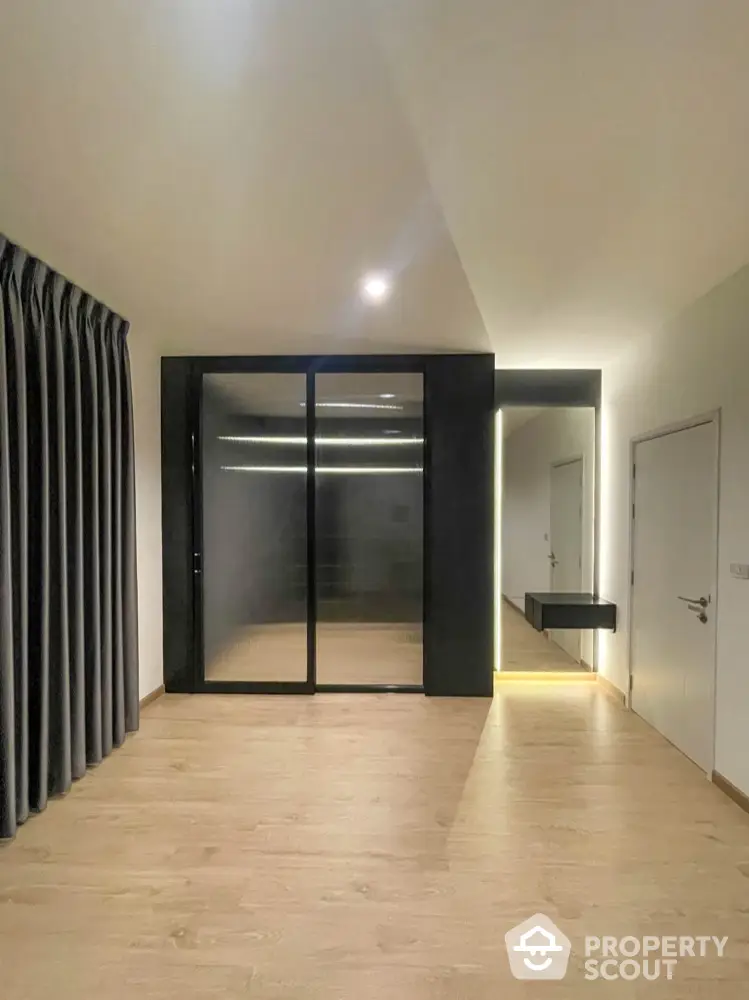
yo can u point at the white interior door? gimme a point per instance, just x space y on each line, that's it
566 542
673 590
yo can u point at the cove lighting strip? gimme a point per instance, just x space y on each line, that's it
498 488
349 470
342 441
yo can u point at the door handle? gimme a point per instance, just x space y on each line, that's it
701 601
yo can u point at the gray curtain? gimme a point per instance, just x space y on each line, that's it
68 590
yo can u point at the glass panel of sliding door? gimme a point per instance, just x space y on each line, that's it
369 516
253 516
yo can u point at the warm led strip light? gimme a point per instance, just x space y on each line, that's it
498 488
343 442
339 470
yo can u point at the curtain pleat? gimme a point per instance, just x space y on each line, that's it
12 264
118 666
103 322
129 563
90 399
37 392
68 579
75 532
7 669
60 776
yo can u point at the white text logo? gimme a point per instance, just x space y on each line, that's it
650 957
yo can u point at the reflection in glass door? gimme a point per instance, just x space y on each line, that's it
369 513
253 460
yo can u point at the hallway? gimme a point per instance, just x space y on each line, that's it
370 846
525 649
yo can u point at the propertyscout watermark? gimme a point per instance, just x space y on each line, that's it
538 949
650 957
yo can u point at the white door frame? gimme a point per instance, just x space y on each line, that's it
711 417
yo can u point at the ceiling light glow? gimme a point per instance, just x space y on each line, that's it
375 288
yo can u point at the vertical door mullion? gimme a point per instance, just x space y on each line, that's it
311 537
196 555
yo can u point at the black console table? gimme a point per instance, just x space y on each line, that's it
569 611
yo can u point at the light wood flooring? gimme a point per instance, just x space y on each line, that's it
525 649
363 847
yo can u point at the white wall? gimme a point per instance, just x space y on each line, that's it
555 435
145 367
701 363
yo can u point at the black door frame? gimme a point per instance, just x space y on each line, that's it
310 367
458 553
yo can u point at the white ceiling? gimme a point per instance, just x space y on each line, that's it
546 179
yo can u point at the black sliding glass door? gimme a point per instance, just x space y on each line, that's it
369 518
309 530
254 535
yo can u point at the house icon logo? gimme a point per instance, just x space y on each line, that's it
537 949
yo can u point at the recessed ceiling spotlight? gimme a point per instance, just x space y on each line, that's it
387 395
375 288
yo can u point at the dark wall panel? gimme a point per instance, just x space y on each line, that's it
459 637
458 515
